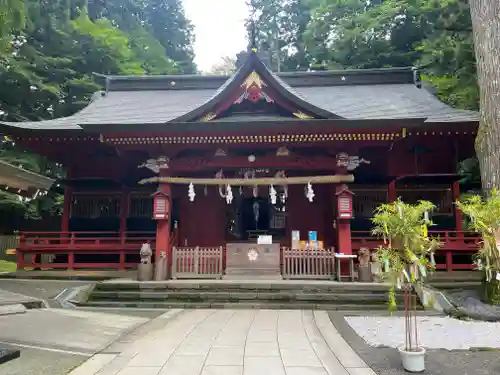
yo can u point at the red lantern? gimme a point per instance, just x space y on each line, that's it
161 208
344 201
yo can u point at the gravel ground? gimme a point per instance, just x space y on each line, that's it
386 361
470 303
434 332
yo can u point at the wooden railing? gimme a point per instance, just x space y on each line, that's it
308 264
454 244
453 240
84 240
83 250
197 262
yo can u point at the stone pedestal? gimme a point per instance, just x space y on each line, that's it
365 274
145 272
246 261
376 270
161 265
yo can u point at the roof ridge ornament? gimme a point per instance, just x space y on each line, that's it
253 37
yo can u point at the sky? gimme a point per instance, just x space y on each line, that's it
219 29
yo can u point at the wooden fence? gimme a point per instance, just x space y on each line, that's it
197 262
308 264
8 242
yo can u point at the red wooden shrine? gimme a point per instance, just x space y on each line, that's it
381 129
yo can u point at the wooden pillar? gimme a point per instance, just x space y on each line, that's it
344 236
344 242
124 208
455 192
392 194
66 210
163 251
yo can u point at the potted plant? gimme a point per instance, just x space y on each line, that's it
406 255
484 218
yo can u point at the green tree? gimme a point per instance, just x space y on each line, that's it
435 35
168 24
483 215
50 50
226 67
279 29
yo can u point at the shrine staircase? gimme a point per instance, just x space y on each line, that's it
289 294
455 280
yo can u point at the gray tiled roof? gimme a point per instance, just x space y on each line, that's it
376 101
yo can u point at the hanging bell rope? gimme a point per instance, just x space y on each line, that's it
251 182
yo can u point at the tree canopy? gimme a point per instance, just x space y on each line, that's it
49 50
337 34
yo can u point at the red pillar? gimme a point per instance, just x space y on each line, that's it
455 191
163 229
392 194
344 236
124 208
344 241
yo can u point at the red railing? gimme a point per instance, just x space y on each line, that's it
36 248
453 244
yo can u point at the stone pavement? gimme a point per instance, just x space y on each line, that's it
234 342
9 298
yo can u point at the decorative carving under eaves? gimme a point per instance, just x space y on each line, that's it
350 162
220 152
282 151
303 116
156 165
355 162
253 90
253 79
208 117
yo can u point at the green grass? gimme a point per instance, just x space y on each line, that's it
6 266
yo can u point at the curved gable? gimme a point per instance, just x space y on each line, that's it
257 87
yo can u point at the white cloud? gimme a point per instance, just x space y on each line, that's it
219 28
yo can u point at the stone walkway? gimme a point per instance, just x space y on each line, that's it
234 342
9 298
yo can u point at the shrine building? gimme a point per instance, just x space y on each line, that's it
300 159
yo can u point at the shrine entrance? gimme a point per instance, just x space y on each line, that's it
254 217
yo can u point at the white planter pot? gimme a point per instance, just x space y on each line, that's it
412 361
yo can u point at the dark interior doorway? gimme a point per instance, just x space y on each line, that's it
254 215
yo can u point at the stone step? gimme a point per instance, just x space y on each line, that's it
285 296
456 275
236 305
240 286
447 285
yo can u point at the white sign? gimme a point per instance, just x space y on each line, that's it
265 240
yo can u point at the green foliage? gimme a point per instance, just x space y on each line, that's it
339 34
407 248
11 22
281 25
49 50
226 66
484 215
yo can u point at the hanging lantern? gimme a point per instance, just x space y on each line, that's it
272 195
161 206
344 202
310 192
229 195
191 193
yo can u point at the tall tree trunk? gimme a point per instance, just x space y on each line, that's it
485 16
